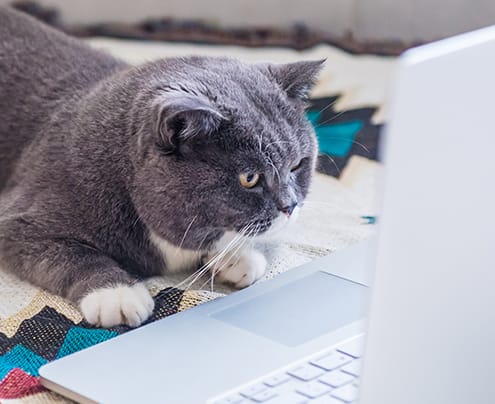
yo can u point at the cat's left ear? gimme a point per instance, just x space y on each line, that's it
296 79
181 117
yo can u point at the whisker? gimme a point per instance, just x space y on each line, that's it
246 233
330 104
218 257
330 119
333 161
278 142
247 240
239 247
274 168
185 234
195 273
352 141
203 241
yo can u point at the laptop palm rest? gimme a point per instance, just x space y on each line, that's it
301 310
284 318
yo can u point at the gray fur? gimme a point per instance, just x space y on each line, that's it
95 154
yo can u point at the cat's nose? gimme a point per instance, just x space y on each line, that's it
287 210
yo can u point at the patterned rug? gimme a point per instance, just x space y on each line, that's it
36 327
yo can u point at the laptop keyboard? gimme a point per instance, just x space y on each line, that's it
327 378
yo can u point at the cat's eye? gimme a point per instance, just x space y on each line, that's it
249 180
296 167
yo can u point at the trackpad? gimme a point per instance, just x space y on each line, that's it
301 310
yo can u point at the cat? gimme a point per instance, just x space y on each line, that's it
111 173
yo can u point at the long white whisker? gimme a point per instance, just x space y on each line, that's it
274 168
352 141
328 106
218 257
330 119
278 142
185 234
333 161
246 233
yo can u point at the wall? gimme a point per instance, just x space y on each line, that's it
366 19
421 19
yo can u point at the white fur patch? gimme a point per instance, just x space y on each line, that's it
176 259
121 304
242 265
226 240
280 224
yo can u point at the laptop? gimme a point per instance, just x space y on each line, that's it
429 328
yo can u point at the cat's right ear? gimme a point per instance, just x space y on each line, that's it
182 117
296 79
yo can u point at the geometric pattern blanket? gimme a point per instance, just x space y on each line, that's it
37 327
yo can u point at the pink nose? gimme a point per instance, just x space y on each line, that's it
287 210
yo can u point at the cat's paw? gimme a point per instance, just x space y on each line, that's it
107 307
242 269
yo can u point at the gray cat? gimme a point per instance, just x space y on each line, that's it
110 174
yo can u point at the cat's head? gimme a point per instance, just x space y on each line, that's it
222 146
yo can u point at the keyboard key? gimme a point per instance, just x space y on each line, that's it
289 386
277 380
265 395
326 400
353 347
306 372
347 393
289 398
353 368
332 361
313 389
336 378
253 390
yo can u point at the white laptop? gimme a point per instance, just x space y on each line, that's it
430 334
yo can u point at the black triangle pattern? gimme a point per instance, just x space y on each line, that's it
366 141
45 333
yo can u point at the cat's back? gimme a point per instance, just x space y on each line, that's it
34 56
40 69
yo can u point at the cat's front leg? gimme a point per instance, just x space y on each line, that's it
106 294
241 269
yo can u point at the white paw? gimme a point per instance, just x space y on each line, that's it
123 304
242 269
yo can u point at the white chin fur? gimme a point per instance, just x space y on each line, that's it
279 224
245 265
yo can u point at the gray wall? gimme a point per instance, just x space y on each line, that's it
366 19
421 19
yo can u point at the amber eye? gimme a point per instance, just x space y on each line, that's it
296 167
249 180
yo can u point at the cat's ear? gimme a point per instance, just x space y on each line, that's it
181 117
296 79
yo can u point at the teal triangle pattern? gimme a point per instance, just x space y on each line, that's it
313 117
78 338
23 358
337 139
334 139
